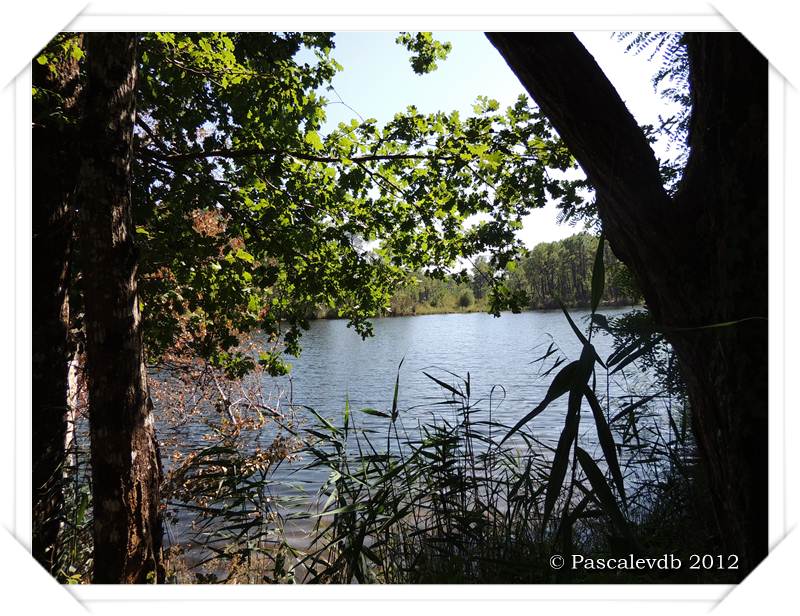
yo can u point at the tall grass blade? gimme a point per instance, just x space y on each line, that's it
444 385
581 337
561 384
628 408
561 459
603 492
606 443
550 350
555 365
636 345
598 274
396 390
631 357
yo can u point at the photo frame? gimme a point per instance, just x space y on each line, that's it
770 577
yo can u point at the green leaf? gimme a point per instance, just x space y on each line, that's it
426 50
324 421
313 139
396 391
631 357
444 385
244 256
571 377
633 406
574 327
338 510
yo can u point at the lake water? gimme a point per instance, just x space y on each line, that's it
499 354
336 364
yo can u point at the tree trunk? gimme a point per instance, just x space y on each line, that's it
55 174
700 256
125 461
75 381
725 184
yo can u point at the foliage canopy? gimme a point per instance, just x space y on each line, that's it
249 214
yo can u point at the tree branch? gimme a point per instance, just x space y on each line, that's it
591 118
588 114
234 153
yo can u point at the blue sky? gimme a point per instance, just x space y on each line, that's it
377 81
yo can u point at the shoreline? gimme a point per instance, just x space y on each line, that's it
392 315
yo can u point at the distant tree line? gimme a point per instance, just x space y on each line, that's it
549 273
426 294
562 271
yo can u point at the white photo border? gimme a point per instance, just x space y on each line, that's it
16 249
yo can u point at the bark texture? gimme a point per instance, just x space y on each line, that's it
125 462
700 256
55 174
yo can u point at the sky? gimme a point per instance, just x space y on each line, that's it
377 81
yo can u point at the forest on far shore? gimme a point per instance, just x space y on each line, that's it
550 273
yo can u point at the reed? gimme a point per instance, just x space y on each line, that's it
443 493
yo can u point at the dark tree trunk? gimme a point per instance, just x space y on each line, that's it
700 257
55 174
125 461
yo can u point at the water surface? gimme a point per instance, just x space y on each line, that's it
500 353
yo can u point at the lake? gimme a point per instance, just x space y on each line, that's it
499 354
336 364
